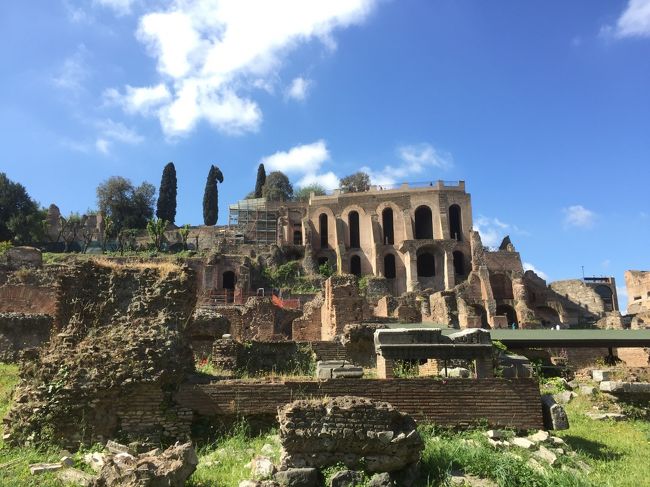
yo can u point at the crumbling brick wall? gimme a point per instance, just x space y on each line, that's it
342 305
118 336
20 331
308 326
355 431
263 357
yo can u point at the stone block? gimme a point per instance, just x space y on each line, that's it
555 417
460 372
347 372
546 455
40 468
616 387
299 477
75 477
496 434
24 257
346 478
586 390
524 443
539 437
601 375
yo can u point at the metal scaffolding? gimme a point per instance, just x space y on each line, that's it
253 222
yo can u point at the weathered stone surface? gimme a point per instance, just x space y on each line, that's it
346 478
539 437
299 477
75 477
21 331
555 417
586 390
546 455
606 416
461 372
615 387
564 397
262 467
524 443
115 358
24 257
601 375
40 468
381 480
496 434
350 430
169 469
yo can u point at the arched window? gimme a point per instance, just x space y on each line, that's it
510 313
355 265
353 224
455 223
229 280
426 265
389 266
387 225
423 223
322 224
459 263
297 237
479 311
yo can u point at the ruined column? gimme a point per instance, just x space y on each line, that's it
385 368
483 367
411 271
450 275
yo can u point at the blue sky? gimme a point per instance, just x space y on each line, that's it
542 107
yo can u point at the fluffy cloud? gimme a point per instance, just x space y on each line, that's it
579 217
298 88
415 161
304 162
211 53
493 230
530 267
633 22
110 132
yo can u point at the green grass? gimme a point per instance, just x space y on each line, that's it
617 453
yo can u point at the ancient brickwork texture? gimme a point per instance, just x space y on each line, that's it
638 291
634 357
118 352
308 326
205 327
451 402
20 331
578 292
342 305
355 431
258 357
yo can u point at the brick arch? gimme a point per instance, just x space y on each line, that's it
399 225
331 227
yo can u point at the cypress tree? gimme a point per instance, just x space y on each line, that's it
211 196
166 208
261 179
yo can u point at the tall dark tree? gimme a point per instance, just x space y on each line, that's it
211 196
277 187
261 179
166 209
20 217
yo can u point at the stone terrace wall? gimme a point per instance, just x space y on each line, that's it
19 331
27 299
511 403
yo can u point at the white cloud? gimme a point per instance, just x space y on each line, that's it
139 100
578 216
633 22
493 230
74 70
304 162
211 53
530 267
299 88
417 160
120 7
110 132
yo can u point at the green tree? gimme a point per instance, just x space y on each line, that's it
156 231
259 182
303 193
70 228
128 206
184 232
108 228
20 217
166 207
356 183
211 196
277 187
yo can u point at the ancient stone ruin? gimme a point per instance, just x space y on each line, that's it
118 352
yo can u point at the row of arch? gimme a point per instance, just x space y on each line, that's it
423 226
426 264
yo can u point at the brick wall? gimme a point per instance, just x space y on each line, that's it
634 357
19 331
27 299
511 403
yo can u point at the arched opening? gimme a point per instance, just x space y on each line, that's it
501 286
508 312
229 280
547 316
481 313
355 265
322 260
426 265
297 237
322 229
387 225
389 266
455 223
459 263
423 223
607 296
353 224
